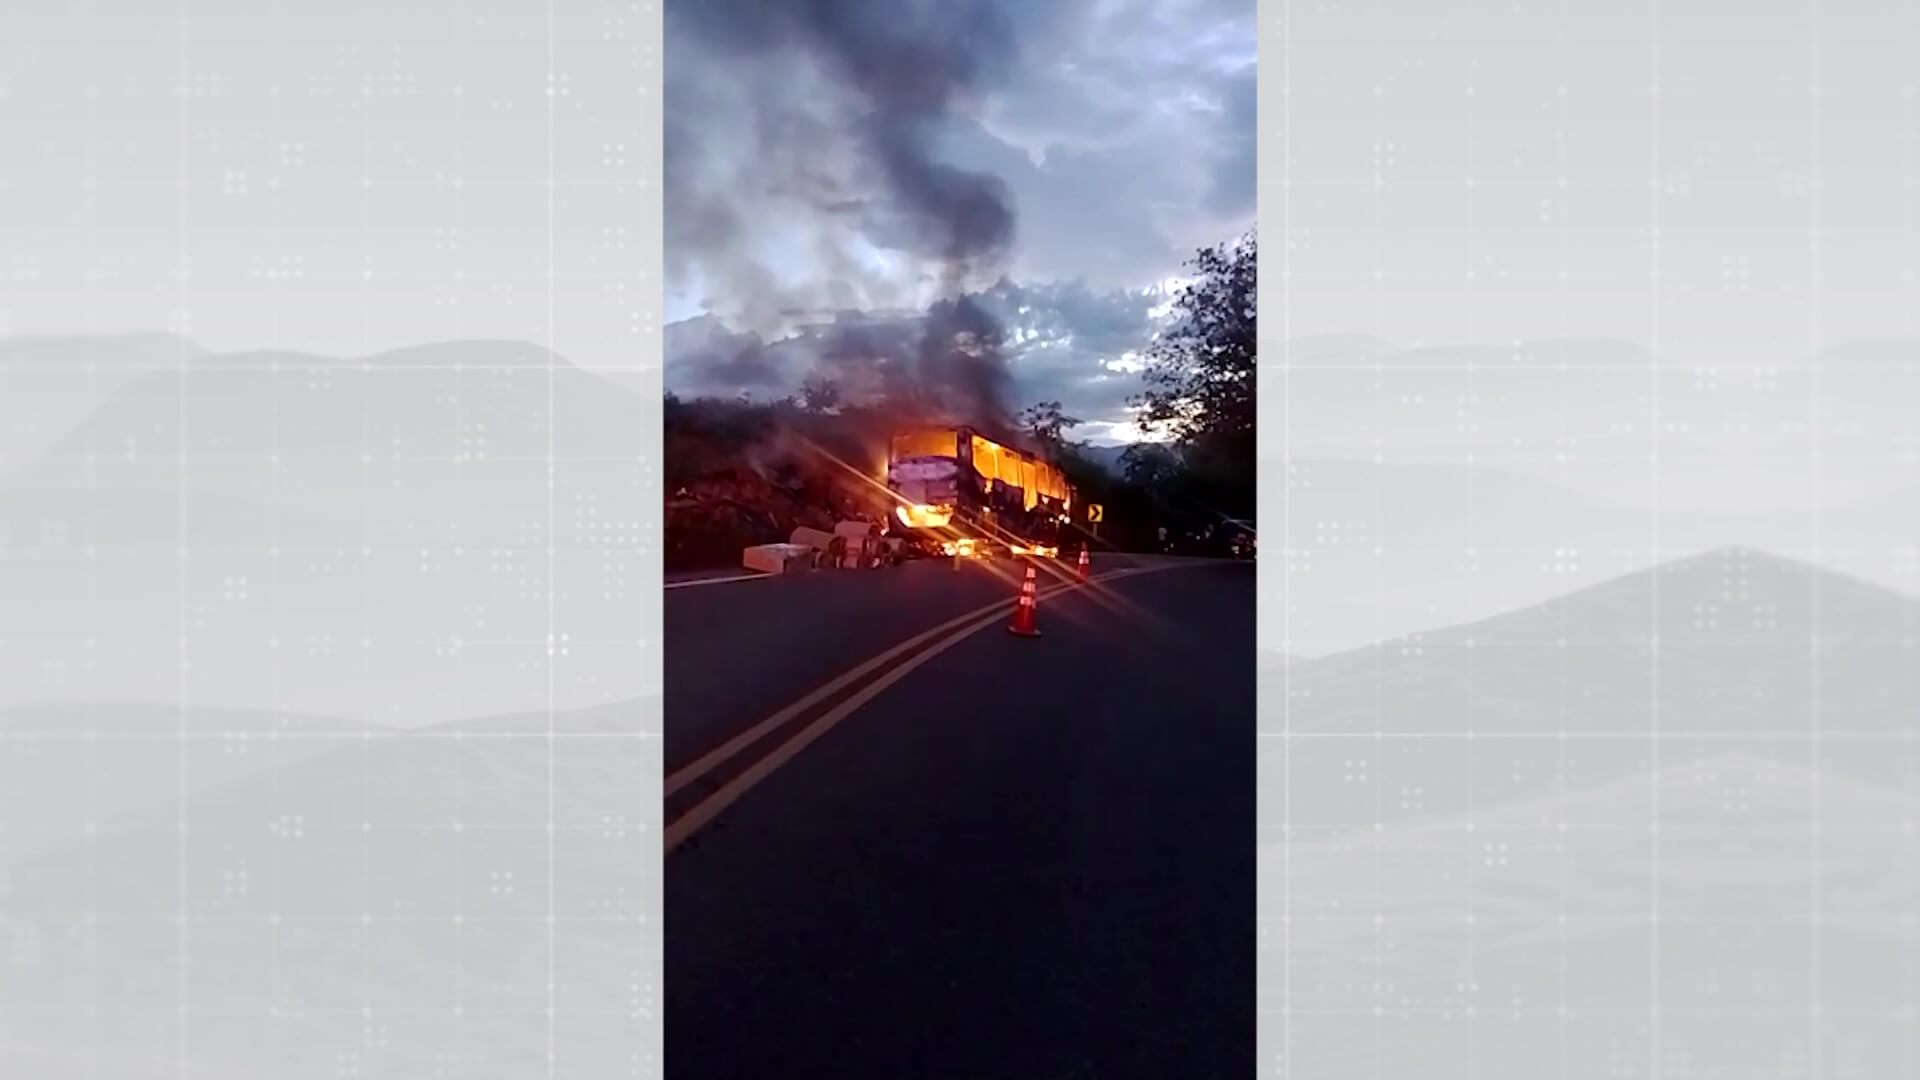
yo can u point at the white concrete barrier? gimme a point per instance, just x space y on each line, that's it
778 558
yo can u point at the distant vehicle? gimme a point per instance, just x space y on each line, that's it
1242 539
970 495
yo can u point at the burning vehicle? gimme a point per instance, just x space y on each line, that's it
961 493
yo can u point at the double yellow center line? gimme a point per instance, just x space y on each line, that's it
928 643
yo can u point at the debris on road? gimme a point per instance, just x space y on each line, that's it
779 558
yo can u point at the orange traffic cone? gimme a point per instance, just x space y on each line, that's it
1085 562
1023 609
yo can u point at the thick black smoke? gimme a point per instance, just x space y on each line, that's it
904 65
948 365
827 113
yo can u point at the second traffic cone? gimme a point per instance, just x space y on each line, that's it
1023 609
1085 562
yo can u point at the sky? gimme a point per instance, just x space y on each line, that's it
1453 174
1117 136
293 178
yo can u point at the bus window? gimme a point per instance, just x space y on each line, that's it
943 443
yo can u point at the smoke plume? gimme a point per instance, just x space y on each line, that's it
892 73
948 365
806 131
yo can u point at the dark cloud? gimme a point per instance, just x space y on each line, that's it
1086 147
1120 130
947 362
704 357
1072 344
1097 324
833 110
978 358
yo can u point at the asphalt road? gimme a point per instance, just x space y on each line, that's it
1026 858
739 650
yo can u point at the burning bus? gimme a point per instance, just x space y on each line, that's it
964 494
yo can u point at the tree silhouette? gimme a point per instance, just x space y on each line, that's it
1200 373
819 395
1150 466
1047 423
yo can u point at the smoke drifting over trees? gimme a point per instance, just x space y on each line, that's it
948 364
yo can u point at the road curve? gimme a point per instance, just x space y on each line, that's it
1024 857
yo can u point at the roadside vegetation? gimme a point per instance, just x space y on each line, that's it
745 472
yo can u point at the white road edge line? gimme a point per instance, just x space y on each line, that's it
719 580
